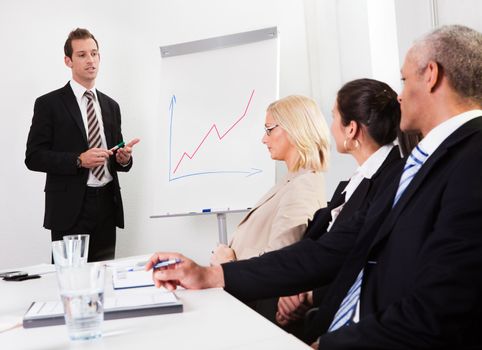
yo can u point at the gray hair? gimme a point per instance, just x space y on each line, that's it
458 50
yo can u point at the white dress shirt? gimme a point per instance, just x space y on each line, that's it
79 91
437 135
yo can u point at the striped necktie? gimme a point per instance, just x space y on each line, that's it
94 131
413 165
346 311
348 306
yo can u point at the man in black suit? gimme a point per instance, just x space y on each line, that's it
74 130
417 253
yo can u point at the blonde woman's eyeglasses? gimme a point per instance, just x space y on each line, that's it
268 129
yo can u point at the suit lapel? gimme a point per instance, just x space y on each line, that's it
356 199
322 217
338 197
270 194
70 102
394 155
460 134
361 193
107 119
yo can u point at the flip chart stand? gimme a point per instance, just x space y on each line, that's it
221 216
222 231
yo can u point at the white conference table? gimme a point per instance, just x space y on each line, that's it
212 319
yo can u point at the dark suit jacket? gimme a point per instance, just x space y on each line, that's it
422 283
363 194
57 136
361 198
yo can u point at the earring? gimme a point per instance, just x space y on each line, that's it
345 145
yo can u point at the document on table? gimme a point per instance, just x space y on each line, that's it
51 313
122 278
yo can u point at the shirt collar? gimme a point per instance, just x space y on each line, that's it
79 90
373 163
367 169
438 134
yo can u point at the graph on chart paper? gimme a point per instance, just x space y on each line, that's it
176 162
212 110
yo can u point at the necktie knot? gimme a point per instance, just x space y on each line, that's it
90 95
412 166
417 157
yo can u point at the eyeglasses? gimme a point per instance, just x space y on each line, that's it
268 129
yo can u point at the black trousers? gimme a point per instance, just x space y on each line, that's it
97 219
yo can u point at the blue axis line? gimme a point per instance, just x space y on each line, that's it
171 111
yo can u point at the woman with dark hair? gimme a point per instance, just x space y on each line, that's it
366 118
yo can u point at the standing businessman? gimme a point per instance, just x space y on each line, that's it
408 274
71 138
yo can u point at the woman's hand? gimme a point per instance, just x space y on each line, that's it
222 254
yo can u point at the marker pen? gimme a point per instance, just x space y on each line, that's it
213 210
116 147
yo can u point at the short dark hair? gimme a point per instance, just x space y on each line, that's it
78 33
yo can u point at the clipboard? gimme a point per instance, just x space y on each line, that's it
51 313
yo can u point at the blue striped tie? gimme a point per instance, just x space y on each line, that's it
413 165
346 311
347 307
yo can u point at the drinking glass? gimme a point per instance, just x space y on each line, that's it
82 294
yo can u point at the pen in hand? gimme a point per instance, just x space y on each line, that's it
165 263
162 263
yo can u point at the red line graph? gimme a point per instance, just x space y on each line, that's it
220 137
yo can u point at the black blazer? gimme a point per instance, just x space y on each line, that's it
57 136
422 283
362 195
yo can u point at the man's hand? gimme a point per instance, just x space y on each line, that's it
186 273
94 157
293 308
123 155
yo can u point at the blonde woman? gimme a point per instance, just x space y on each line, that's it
297 134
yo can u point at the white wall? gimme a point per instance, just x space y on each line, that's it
32 34
323 44
349 39
414 17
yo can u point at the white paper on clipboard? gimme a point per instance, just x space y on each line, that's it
122 278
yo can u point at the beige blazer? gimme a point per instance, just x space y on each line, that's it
281 216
